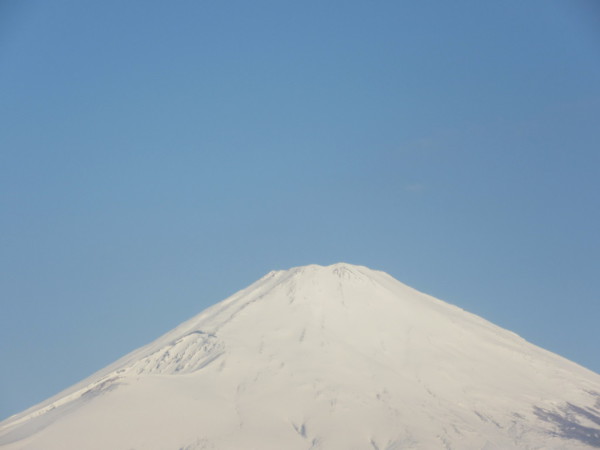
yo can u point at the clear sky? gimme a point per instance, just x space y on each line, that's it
156 157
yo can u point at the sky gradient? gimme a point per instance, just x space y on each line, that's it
156 157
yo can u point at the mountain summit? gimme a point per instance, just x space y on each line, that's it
336 357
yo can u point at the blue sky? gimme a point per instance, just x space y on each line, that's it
156 157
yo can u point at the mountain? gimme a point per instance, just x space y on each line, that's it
336 357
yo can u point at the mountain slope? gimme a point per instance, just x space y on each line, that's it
337 357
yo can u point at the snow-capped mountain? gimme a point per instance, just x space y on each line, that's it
337 357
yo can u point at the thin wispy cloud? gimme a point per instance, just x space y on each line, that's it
415 187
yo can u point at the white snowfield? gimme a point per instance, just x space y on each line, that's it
338 357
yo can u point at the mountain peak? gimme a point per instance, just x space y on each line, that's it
325 357
339 270
332 268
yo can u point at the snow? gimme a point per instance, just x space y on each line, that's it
336 357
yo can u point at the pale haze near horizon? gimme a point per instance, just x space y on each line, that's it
155 158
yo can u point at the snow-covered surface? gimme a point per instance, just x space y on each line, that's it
336 357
